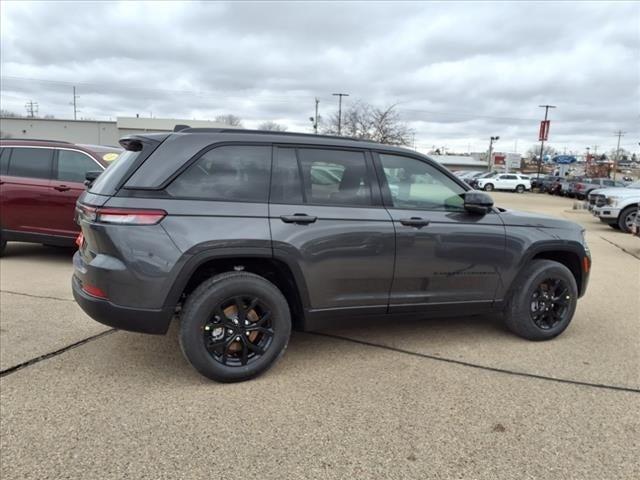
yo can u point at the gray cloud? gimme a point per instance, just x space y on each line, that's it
459 72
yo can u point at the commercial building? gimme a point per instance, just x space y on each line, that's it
92 131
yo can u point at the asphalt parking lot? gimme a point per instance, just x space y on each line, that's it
445 398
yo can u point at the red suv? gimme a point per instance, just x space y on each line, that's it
40 182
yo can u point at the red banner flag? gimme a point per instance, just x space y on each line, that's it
544 130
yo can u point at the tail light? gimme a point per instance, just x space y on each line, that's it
125 216
121 216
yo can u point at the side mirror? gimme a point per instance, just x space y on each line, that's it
90 177
477 202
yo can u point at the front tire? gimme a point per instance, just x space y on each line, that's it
234 327
543 301
520 189
488 187
626 218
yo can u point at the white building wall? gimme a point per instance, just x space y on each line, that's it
76 131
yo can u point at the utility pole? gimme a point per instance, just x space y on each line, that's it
314 119
489 162
340 95
32 108
620 134
75 105
546 112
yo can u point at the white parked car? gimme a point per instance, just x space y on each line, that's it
505 181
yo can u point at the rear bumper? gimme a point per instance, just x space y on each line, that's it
124 318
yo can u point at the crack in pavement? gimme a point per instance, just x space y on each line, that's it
621 248
33 361
478 366
38 296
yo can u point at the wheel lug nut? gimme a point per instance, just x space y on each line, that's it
246 333
229 331
237 339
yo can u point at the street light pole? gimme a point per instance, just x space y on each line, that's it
546 112
340 95
492 139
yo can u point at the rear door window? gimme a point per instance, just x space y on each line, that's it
227 173
31 163
73 166
334 177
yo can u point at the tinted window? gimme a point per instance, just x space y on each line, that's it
4 160
509 177
416 184
286 186
109 180
31 162
235 172
335 177
73 166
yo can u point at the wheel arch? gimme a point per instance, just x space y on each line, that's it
569 254
260 261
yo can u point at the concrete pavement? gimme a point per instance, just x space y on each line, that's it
127 405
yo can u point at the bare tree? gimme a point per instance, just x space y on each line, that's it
361 120
9 113
229 119
272 126
534 151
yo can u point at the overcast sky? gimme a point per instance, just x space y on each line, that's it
459 72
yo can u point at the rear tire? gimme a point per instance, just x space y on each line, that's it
614 226
216 343
488 187
529 313
626 218
3 244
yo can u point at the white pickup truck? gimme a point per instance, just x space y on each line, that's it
617 207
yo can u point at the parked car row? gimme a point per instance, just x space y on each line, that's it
40 182
617 207
576 187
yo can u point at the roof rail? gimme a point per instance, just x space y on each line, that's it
266 132
35 140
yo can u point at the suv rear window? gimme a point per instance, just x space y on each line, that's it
31 162
228 173
107 182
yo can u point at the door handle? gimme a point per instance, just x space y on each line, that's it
62 188
417 222
300 218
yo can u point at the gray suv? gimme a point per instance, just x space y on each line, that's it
244 235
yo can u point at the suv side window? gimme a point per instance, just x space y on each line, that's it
334 177
31 162
227 173
4 160
73 166
416 184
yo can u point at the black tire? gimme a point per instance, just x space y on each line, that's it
488 187
3 244
520 316
626 218
198 316
614 226
520 189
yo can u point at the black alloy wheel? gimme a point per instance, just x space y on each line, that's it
550 303
239 331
